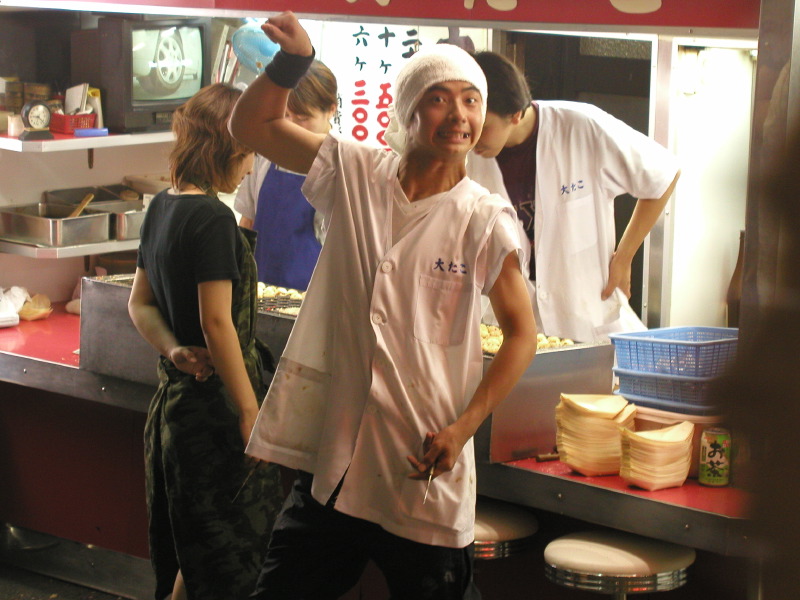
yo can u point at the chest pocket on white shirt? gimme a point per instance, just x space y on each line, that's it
578 224
441 311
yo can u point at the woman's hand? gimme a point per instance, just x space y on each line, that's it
193 360
286 31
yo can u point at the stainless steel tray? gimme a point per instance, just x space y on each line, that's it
102 193
46 224
123 279
126 218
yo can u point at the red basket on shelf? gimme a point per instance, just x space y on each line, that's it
69 123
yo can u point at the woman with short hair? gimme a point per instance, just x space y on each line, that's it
194 300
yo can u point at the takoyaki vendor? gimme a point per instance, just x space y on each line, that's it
562 165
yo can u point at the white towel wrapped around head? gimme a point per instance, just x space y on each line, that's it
429 66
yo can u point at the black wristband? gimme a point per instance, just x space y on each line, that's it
286 70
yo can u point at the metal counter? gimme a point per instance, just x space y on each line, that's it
602 501
118 368
110 344
524 424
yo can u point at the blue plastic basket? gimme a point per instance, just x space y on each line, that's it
674 388
670 406
687 351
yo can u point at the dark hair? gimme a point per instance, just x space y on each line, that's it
508 91
317 89
205 153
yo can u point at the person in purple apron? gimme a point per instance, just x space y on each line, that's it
270 201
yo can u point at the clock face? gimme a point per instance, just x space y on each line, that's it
36 115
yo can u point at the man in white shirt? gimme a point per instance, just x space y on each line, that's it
381 386
563 163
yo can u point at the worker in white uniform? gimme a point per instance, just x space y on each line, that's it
381 387
562 164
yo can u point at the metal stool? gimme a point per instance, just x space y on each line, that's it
502 529
612 562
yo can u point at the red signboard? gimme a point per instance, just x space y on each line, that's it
725 14
683 14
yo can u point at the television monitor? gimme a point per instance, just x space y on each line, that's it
147 68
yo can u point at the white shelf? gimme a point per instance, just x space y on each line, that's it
32 251
60 145
69 144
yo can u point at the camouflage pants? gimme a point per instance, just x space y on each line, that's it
195 465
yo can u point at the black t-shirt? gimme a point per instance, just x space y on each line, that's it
186 240
518 166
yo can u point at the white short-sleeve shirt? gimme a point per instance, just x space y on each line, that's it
386 346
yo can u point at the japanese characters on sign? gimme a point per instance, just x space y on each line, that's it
366 59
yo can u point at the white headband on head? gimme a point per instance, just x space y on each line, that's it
431 65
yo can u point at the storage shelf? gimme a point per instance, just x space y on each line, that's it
32 251
68 142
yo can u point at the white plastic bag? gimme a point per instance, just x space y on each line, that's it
620 318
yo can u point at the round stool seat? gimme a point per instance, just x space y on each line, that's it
615 562
502 528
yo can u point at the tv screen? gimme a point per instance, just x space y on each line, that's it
145 68
167 63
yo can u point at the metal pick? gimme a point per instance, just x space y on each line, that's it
246 479
428 486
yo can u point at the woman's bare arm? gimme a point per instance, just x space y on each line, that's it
150 323
223 343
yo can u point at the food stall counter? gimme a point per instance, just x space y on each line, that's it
44 355
41 355
54 339
705 518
